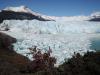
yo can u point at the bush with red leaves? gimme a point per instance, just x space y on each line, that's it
42 61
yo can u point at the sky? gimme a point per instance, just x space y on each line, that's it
56 7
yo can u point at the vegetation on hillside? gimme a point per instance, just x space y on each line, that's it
43 64
12 63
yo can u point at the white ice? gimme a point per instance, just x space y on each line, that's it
63 37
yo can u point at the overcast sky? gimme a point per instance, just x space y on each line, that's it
56 7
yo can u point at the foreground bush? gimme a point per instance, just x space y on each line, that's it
42 61
89 64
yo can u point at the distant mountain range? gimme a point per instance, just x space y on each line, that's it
22 13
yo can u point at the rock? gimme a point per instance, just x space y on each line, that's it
11 15
6 41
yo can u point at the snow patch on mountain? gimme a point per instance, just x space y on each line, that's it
27 10
18 9
96 14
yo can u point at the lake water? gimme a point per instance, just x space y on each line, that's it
95 42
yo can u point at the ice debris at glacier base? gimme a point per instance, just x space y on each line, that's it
64 38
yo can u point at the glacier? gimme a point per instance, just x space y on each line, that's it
64 37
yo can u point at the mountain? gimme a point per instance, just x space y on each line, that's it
21 13
95 16
24 13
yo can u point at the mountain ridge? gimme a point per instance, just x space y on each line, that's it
21 13
24 13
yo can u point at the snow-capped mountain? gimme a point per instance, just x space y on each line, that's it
95 16
21 13
25 9
24 13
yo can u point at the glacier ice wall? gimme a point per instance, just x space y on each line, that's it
51 27
63 37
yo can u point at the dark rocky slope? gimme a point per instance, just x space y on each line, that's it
8 56
11 15
6 41
95 19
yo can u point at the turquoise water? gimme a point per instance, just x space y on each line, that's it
95 43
